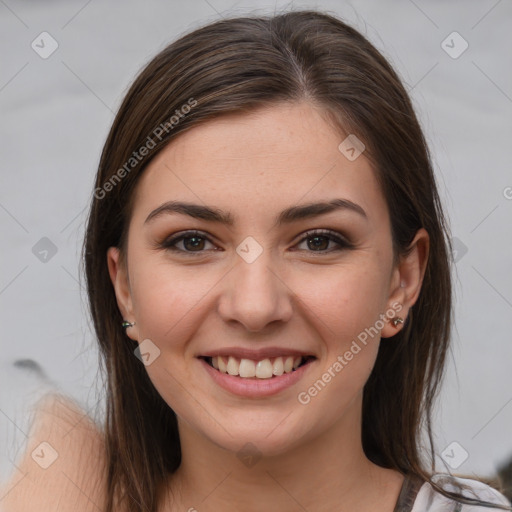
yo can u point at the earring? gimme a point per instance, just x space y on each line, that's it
397 320
126 324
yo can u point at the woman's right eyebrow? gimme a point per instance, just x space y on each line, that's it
287 216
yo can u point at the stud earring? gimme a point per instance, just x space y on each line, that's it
397 320
126 324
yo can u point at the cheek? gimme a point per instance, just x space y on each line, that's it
168 303
343 301
345 307
167 300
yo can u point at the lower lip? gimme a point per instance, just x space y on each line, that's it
254 387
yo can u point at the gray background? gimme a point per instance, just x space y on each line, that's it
56 113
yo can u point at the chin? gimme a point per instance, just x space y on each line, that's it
252 438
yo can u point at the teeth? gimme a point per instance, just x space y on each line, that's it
247 368
278 368
221 364
233 366
264 369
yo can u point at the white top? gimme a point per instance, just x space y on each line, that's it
429 500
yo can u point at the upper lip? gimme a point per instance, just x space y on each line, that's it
255 354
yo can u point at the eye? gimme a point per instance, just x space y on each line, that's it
194 242
321 238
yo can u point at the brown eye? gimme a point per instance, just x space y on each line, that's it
192 242
319 240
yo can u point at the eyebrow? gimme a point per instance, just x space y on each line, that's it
287 216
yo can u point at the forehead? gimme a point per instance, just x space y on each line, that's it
259 162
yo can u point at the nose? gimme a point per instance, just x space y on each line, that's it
254 295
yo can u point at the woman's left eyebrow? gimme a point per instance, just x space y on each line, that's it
287 216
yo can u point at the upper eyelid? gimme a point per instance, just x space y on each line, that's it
178 237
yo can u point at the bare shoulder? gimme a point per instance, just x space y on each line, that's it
64 464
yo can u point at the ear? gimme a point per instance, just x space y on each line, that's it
406 281
119 277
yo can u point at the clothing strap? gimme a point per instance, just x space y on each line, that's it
407 496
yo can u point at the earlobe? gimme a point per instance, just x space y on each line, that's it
395 317
119 277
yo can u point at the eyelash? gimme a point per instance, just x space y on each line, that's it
332 236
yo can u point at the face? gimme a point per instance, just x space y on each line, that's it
303 284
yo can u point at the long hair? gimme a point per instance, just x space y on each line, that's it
235 66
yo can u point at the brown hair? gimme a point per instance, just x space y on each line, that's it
237 65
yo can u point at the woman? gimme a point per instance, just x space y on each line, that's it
268 270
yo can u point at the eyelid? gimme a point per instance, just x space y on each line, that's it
334 236
170 242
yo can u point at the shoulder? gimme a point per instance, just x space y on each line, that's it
63 466
430 500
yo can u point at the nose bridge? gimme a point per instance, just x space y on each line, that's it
253 293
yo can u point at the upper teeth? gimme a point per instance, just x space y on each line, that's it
263 369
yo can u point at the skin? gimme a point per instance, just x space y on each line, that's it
64 463
293 295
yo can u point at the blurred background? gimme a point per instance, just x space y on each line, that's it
65 67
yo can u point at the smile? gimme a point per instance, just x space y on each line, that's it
263 369
250 378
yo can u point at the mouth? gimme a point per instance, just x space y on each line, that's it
266 377
264 369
